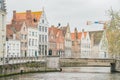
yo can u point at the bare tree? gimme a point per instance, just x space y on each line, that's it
113 34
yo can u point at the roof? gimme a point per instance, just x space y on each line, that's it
23 15
78 35
64 29
57 33
29 18
97 35
10 31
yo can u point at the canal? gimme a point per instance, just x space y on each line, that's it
89 74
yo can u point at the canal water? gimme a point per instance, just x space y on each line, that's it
68 75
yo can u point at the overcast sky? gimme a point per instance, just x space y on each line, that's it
74 12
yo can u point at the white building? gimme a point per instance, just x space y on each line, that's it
85 45
68 43
13 48
103 46
2 29
32 42
43 35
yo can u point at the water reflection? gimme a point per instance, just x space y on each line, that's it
100 74
65 76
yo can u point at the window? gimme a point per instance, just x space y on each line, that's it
36 34
29 33
40 49
25 36
32 33
29 42
40 38
72 43
45 29
45 38
21 36
33 42
43 21
39 28
45 49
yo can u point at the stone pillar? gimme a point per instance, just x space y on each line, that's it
53 62
118 65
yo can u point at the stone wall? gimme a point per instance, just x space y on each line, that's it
118 65
10 69
53 62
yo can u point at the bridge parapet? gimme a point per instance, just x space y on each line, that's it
78 62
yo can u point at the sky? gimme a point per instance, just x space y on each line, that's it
74 12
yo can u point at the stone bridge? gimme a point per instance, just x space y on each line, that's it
88 62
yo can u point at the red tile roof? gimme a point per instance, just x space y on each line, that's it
23 15
57 33
79 35
29 18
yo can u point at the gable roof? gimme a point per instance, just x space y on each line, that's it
57 33
10 31
78 35
30 19
64 29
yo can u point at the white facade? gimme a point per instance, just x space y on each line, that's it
32 42
68 43
103 46
43 35
2 29
23 39
13 48
85 46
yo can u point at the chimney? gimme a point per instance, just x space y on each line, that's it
59 24
28 15
76 33
14 16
